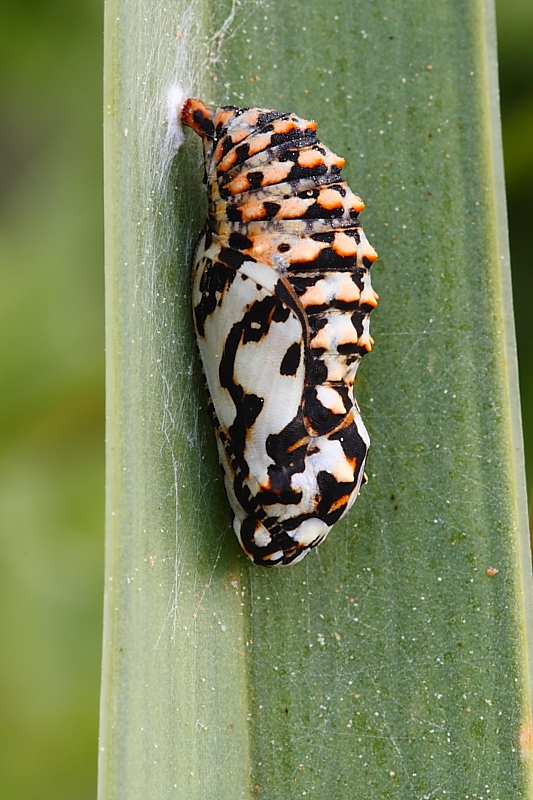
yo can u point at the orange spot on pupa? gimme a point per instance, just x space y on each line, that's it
276 173
306 250
368 297
253 210
343 472
240 134
338 161
329 198
252 116
259 143
222 116
310 158
239 184
356 204
330 399
369 252
228 161
264 486
284 125
344 245
348 292
341 502
320 341
217 152
366 341
300 443
293 208
262 249
314 296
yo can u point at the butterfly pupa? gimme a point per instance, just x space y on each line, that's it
281 298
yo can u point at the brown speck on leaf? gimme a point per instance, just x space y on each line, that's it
525 739
492 571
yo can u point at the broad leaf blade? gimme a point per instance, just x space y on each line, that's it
389 663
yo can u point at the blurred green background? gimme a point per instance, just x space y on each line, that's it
52 365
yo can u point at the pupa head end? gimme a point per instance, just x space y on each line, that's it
198 116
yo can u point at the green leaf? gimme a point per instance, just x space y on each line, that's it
389 663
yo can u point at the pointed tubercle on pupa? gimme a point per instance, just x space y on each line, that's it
199 117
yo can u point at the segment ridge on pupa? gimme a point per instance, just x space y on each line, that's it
281 295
